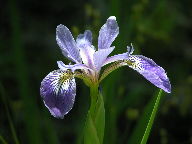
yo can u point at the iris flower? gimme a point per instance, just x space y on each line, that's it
58 88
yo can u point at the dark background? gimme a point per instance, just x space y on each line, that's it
158 29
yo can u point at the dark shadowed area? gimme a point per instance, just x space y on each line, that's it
158 29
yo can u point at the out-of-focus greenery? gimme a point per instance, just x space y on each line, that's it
158 29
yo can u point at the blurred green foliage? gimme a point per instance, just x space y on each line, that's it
158 29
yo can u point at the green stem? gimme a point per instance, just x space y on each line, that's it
94 96
95 121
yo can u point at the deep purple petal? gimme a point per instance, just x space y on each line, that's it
67 43
100 56
108 33
151 71
58 90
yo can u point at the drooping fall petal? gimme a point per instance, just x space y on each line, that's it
58 90
151 71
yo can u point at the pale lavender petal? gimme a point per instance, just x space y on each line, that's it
100 56
84 42
74 67
123 56
84 39
115 58
108 33
58 90
67 43
151 71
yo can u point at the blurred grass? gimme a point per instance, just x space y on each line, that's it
31 113
18 53
2 140
13 132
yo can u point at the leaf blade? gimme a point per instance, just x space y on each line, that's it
139 131
151 119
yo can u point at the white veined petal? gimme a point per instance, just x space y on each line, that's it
58 90
151 71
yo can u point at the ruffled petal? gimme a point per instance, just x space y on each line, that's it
151 71
67 44
84 42
58 90
100 56
108 33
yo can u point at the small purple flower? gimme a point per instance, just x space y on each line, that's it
58 88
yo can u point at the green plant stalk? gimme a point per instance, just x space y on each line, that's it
94 96
151 119
95 121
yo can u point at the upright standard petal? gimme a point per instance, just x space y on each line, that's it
67 43
100 56
58 90
84 39
108 33
150 70
84 42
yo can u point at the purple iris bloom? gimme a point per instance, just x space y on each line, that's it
58 88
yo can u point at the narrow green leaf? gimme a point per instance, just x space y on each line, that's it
95 122
2 140
151 119
142 125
